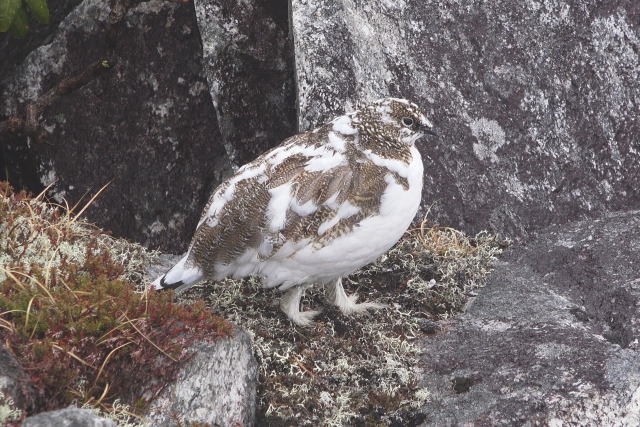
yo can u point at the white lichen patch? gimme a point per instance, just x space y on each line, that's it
358 368
163 109
119 413
197 88
553 351
43 236
48 175
9 413
490 136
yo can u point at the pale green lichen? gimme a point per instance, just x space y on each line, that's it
359 368
119 413
8 411
35 234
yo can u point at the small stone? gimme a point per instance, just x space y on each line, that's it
14 381
216 386
68 417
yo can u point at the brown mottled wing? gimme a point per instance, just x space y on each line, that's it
242 223
360 183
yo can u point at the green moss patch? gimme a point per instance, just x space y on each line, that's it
359 369
71 316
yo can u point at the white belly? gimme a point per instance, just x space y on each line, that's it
362 245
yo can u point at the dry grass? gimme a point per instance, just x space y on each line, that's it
363 369
70 314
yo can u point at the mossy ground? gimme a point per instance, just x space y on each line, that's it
71 317
362 369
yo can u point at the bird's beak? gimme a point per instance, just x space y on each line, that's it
428 129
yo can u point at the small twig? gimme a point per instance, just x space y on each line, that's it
78 358
151 342
30 124
106 360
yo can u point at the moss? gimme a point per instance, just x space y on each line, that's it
71 315
361 369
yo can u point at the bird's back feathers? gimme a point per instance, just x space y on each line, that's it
318 206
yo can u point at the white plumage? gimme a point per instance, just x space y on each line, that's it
314 209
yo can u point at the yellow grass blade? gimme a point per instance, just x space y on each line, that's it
35 327
37 282
104 394
151 342
14 278
26 318
115 328
43 192
78 358
106 360
4 323
11 311
90 201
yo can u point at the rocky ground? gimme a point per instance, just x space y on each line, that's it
537 109
552 338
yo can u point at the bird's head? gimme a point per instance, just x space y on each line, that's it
395 118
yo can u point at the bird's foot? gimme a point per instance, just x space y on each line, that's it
303 318
290 305
347 305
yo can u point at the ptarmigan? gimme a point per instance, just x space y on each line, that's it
314 209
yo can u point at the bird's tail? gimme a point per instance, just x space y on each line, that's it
182 275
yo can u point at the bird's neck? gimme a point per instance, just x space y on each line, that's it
387 147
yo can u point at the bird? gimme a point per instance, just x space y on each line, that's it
314 209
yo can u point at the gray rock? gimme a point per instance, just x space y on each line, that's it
13 51
552 337
248 59
148 125
68 417
536 103
217 386
14 382
161 266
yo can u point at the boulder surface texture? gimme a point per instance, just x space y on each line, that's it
15 383
68 417
553 337
537 104
147 125
217 386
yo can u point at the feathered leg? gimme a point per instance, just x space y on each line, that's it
347 304
290 304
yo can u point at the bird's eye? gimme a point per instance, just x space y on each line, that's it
407 121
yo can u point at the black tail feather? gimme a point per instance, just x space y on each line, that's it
166 286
